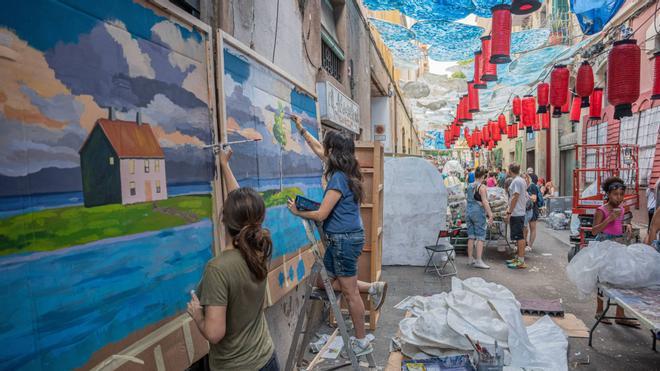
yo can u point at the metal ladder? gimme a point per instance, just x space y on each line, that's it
297 350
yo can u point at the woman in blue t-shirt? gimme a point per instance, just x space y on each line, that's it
340 214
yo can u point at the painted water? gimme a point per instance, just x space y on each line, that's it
84 297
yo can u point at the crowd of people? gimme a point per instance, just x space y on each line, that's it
527 194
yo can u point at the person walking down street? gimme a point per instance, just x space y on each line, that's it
609 226
501 177
491 181
537 202
228 305
469 178
342 225
479 216
515 215
651 204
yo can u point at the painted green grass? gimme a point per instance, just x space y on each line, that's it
54 229
275 198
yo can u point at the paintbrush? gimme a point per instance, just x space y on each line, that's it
224 145
472 343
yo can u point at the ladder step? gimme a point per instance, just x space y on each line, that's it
320 294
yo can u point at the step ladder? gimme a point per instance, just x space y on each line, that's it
297 350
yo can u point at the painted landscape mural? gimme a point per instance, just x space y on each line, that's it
258 106
105 187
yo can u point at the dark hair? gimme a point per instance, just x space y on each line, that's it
534 177
480 172
243 213
611 181
514 168
340 156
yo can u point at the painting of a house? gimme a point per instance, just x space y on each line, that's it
122 162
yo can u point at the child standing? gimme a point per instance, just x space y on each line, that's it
609 226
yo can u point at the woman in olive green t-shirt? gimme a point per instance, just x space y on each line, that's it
229 310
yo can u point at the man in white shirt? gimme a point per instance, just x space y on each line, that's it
516 215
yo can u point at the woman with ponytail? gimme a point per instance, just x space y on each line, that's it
340 214
228 305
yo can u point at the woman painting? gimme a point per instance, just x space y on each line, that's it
479 216
342 225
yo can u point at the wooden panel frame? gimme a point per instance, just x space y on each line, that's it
279 267
179 336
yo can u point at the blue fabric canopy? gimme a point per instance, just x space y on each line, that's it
448 10
447 34
450 52
434 139
405 51
526 40
593 15
391 31
382 4
483 7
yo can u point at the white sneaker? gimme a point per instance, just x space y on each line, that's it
377 293
480 264
361 347
528 248
470 260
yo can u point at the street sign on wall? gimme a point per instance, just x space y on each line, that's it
336 108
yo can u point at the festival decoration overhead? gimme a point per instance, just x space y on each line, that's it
542 94
488 70
526 40
593 15
483 7
449 10
576 109
439 32
584 83
522 7
623 71
501 34
558 88
596 104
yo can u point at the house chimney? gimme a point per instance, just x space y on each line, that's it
111 113
138 118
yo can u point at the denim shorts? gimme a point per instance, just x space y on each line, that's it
476 224
342 253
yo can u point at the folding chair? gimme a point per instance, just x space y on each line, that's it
446 251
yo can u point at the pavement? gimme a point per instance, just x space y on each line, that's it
614 347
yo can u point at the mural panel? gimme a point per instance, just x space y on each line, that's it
258 104
105 188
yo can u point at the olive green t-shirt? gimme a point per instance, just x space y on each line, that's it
229 282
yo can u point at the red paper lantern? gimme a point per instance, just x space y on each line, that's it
485 133
517 107
488 70
476 138
501 121
473 97
491 145
576 109
656 77
495 132
623 66
501 33
456 132
478 62
466 132
542 92
466 108
566 108
558 88
522 7
528 116
596 104
584 84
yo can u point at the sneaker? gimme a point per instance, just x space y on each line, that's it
509 261
377 293
361 347
480 264
528 248
470 260
518 264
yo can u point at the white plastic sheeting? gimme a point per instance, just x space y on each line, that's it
414 210
486 312
610 262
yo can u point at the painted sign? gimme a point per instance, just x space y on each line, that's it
258 102
105 217
338 109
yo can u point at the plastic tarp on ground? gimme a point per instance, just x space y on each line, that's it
610 262
487 312
414 211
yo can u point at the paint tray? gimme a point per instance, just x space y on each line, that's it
453 363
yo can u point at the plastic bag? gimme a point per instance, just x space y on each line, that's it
453 168
610 262
558 220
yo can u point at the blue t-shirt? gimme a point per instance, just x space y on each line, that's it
345 216
471 177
